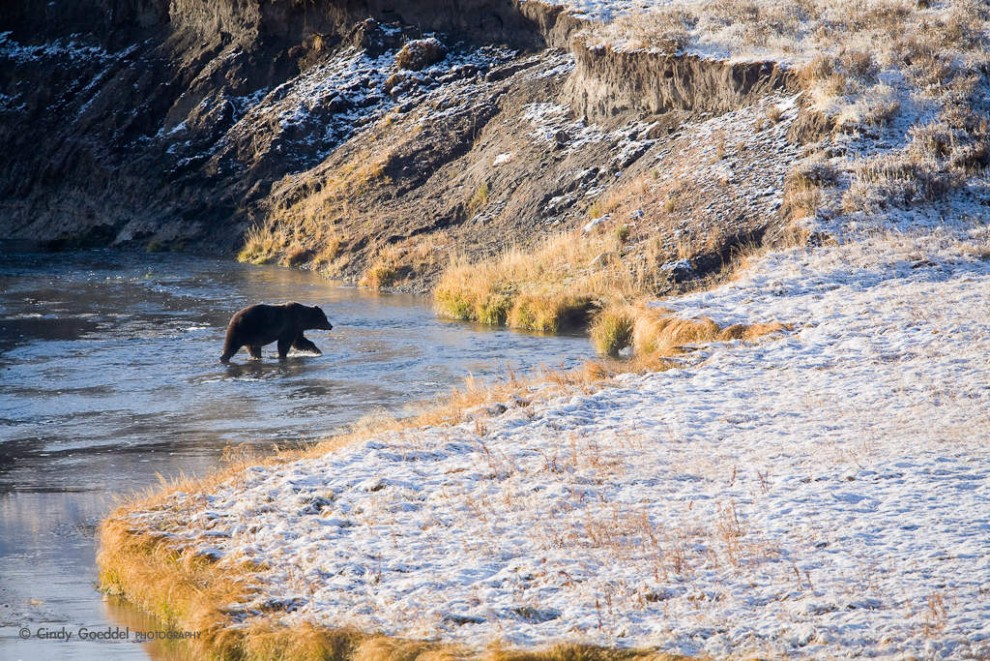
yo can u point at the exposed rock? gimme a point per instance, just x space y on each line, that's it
420 53
679 271
609 83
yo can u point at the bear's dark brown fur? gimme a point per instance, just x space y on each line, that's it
258 325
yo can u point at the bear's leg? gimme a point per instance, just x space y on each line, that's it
283 346
228 351
255 351
304 344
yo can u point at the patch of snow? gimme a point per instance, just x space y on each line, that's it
554 123
58 49
595 222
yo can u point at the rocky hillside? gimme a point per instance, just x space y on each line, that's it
375 141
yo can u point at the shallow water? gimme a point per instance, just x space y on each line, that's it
109 377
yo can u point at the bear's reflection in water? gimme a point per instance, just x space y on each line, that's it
259 370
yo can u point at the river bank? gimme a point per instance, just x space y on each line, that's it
791 498
110 383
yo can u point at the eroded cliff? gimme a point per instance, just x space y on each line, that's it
355 136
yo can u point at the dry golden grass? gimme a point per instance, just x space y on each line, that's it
803 188
304 228
574 652
553 287
181 590
479 199
262 245
612 330
655 334
667 31
384 269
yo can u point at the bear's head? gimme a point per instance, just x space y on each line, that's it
316 319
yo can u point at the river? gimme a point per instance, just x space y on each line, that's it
110 381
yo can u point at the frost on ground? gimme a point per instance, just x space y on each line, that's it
821 494
826 493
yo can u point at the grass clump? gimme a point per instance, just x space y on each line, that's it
548 314
612 330
384 270
479 199
803 188
554 287
263 245
897 181
654 334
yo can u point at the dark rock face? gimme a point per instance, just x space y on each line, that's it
133 120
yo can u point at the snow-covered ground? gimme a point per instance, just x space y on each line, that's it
821 494
826 493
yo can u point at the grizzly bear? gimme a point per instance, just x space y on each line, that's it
258 325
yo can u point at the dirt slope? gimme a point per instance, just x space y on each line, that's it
369 140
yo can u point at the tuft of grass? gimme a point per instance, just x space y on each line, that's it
262 245
548 314
612 330
803 188
875 106
297 255
897 180
654 334
479 199
327 253
384 270
553 287
578 652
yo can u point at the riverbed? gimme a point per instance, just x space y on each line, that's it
110 382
